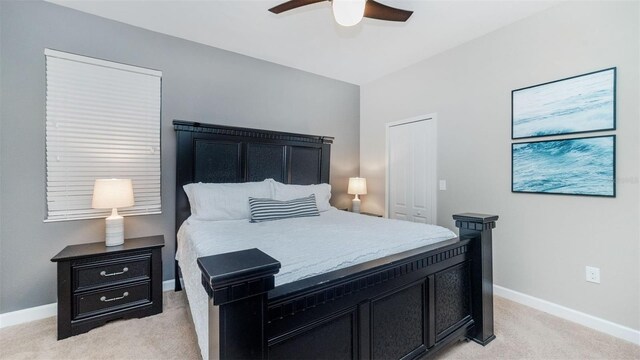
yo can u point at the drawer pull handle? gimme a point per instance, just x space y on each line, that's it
124 270
124 295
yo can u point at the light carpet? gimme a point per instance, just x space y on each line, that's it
522 333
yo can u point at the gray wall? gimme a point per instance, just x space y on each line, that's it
542 242
199 83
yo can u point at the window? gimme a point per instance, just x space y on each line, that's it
103 121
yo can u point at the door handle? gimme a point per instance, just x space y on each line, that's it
124 295
124 270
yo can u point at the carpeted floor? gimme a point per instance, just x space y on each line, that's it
522 333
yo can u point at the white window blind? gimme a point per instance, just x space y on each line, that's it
103 121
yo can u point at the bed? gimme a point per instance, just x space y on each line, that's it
396 290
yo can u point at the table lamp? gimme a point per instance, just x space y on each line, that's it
113 194
357 186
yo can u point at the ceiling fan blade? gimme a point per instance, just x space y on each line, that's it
289 5
375 10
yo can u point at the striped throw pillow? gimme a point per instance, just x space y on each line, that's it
269 209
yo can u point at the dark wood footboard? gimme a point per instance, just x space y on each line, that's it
405 305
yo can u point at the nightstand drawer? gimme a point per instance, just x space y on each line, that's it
103 273
111 299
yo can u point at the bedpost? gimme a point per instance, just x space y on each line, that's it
237 284
478 227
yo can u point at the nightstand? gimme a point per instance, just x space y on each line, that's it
362 213
370 214
97 283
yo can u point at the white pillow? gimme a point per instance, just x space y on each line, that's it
227 201
289 192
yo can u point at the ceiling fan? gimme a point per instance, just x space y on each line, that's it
350 12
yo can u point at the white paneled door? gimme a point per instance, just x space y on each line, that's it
411 170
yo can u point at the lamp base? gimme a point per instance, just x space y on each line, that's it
355 206
114 229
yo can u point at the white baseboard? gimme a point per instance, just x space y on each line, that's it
590 321
168 285
27 315
45 311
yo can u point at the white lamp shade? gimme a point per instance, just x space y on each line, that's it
348 12
112 193
357 186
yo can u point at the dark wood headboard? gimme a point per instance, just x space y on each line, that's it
225 154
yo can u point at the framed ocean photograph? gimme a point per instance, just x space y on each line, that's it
578 104
578 166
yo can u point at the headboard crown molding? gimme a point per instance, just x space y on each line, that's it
246 132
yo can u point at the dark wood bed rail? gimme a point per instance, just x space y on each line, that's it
318 317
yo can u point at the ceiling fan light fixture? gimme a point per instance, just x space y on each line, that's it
348 12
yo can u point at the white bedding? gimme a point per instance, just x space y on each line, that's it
304 246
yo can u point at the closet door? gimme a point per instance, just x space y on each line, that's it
412 171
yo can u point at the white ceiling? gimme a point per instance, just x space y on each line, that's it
309 39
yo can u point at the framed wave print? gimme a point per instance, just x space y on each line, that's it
578 104
577 166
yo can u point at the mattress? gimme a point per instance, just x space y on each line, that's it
305 247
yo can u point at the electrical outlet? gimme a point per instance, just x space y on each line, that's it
593 274
443 184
